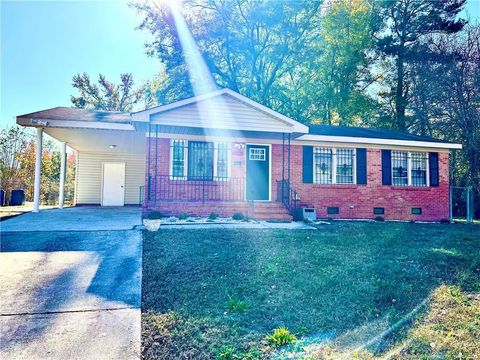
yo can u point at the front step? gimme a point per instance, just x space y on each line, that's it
270 211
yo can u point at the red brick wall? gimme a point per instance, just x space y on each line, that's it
358 201
354 201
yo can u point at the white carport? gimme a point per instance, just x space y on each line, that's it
99 138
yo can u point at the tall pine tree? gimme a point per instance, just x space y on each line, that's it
402 25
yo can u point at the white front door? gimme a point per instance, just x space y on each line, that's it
113 193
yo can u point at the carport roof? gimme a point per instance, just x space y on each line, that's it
75 114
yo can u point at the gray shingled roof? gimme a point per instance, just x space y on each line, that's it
352 131
75 114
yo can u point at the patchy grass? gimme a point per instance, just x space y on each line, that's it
359 289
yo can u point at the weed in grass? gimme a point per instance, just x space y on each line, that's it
237 305
281 336
226 353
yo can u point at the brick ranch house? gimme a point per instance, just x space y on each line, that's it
224 153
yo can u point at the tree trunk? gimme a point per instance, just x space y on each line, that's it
400 123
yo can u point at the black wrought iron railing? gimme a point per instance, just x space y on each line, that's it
288 196
168 188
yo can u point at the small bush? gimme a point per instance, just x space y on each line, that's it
379 218
238 216
183 216
213 216
237 305
281 336
172 219
153 215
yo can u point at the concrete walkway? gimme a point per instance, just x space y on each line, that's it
81 218
71 295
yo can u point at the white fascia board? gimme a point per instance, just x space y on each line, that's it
73 124
144 116
360 140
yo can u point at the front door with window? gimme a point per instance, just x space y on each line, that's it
258 172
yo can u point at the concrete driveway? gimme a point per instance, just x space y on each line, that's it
70 294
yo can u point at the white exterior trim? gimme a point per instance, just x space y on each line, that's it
360 140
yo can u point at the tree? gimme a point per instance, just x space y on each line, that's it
252 47
13 141
402 27
342 68
106 95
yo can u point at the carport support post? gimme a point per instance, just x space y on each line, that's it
61 190
38 171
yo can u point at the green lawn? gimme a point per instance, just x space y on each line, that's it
361 289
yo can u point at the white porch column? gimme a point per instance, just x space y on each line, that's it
61 190
38 171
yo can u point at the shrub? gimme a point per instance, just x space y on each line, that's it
183 216
172 219
213 216
281 336
379 218
153 215
237 305
238 216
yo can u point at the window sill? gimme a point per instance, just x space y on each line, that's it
341 186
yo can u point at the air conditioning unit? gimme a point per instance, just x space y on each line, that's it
309 214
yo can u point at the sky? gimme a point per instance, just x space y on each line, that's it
44 44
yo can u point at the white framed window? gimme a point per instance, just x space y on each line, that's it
410 168
334 165
199 160
257 154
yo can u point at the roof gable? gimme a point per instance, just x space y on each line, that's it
221 109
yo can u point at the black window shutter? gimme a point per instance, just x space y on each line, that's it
433 165
362 166
386 167
307 164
